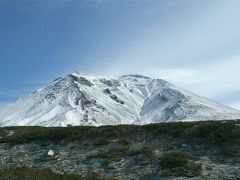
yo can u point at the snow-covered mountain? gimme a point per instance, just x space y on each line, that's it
81 99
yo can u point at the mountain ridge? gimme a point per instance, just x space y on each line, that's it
82 99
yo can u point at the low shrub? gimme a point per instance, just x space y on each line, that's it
20 173
173 159
177 163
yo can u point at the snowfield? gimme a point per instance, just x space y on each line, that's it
81 99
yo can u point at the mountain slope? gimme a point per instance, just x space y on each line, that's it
81 99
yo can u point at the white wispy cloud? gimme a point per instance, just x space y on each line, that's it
198 50
216 80
235 105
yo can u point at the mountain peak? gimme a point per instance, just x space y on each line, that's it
75 73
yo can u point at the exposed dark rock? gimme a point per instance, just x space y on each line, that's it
85 118
115 98
84 81
81 80
77 101
86 100
136 76
107 91
50 96
121 102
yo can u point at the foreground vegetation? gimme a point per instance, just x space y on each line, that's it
149 151
215 132
24 173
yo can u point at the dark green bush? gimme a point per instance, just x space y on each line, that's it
173 159
24 173
177 163
188 170
121 152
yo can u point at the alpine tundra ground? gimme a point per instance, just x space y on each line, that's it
179 150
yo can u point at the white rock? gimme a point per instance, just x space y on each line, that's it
50 152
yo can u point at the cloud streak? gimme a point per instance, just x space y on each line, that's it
197 49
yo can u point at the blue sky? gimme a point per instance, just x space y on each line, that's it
193 44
